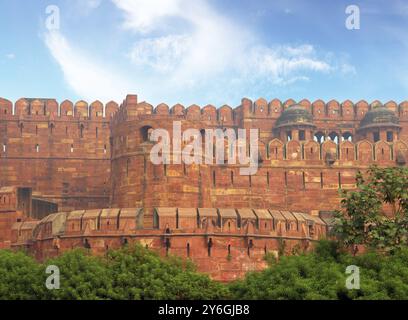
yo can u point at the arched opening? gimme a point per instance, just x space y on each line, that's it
250 246
302 135
319 137
347 136
333 136
209 246
188 249
87 245
288 136
145 133
390 136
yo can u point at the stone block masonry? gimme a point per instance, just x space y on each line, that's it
92 162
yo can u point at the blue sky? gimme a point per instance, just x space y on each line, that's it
204 51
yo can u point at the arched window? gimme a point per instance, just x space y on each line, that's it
37 148
87 245
347 136
333 136
145 133
250 246
288 136
209 246
319 137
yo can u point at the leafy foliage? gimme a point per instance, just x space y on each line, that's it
20 276
137 273
321 275
129 273
363 219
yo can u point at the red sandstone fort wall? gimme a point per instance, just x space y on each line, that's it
61 151
226 243
292 175
64 153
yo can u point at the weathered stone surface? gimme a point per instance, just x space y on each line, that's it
91 162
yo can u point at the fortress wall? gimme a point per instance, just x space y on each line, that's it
234 244
293 175
61 151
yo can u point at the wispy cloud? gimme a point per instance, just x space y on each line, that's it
86 77
10 56
183 46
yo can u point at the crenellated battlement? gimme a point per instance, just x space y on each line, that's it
216 239
332 110
41 109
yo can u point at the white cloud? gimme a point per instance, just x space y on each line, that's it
212 45
141 15
87 78
160 53
186 48
10 56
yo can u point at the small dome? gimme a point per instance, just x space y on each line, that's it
295 115
379 117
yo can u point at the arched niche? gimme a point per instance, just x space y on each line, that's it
311 150
275 150
365 151
382 151
347 151
329 151
293 150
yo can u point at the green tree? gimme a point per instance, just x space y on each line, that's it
362 219
20 276
82 277
139 273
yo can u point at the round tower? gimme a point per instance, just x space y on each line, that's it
295 123
378 124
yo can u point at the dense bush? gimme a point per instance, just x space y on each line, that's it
130 273
20 276
321 275
137 273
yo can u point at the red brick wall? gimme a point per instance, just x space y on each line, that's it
292 176
65 158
